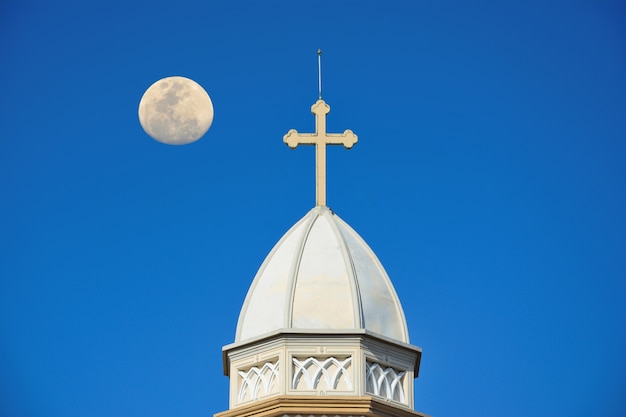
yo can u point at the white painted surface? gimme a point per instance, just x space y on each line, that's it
321 276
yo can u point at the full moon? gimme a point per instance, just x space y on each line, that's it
176 111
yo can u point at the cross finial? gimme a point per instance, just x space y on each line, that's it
320 139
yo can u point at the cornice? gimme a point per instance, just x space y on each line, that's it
321 406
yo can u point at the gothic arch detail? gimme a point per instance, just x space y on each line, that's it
258 382
322 374
384 382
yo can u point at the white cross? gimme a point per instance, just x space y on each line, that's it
320 139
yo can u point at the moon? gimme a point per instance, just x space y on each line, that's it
175 111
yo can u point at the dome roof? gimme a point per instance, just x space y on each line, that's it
321 276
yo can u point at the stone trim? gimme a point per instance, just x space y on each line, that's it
329 406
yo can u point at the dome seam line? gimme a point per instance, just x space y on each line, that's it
295 269
353 279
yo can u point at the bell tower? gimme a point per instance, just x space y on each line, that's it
321 331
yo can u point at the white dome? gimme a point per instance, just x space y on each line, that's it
321 276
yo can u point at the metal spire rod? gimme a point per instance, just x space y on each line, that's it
319 73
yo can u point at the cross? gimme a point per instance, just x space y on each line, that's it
320 139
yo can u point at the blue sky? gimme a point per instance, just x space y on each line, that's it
489 179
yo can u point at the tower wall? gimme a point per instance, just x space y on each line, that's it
317 365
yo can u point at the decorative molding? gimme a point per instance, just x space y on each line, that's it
258 382
306 405
319 415
308 373
384 382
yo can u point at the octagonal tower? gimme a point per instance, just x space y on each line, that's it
322 331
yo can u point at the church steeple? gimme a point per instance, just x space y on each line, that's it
321 331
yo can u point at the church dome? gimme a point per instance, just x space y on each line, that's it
321 277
